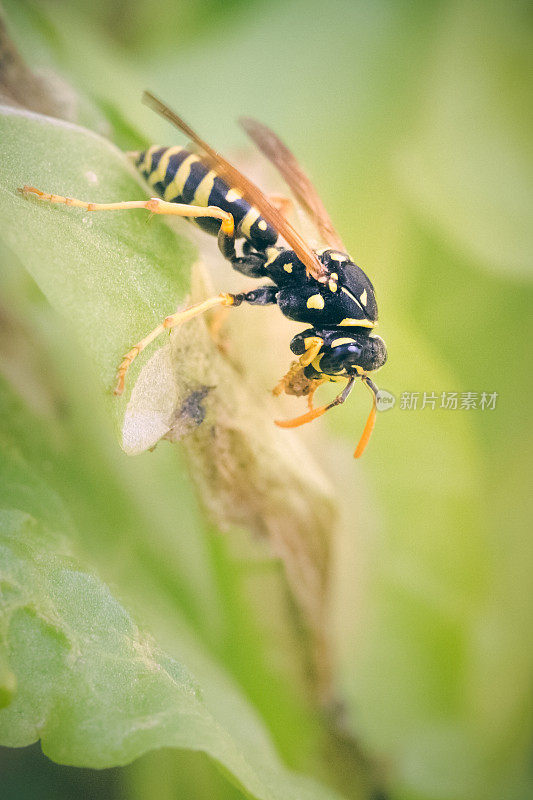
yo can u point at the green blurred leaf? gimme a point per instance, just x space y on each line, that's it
113 276
8 681
97 690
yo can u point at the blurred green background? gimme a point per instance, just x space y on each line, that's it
414 121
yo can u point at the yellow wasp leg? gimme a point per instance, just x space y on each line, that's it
313 413
172 321
311 352
155 205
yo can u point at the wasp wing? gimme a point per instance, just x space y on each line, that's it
235 179
281 157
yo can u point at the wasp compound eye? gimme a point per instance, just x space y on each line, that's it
374 353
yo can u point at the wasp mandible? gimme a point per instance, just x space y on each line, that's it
323 288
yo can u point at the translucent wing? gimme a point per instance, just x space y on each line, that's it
235 179
281 157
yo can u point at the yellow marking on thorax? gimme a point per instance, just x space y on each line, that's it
340 257
363 297
161 170
203 190
272 254
248 220
342 340
316 301
357 323
288 267
175 187
350 295
332 285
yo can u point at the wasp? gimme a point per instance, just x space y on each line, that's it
323 288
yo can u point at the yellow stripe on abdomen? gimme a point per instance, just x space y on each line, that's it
160 171
204 189
146 164
248 220
175 187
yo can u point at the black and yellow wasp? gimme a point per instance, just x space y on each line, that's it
323 288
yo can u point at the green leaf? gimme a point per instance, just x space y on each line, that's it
8 681
114 276
96 689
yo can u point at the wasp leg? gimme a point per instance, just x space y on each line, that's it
251 263
263 295
168 323
312 350
155 205
317 412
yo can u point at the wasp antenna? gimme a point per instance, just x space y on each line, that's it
369 427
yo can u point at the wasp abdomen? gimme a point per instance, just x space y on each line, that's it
180 176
